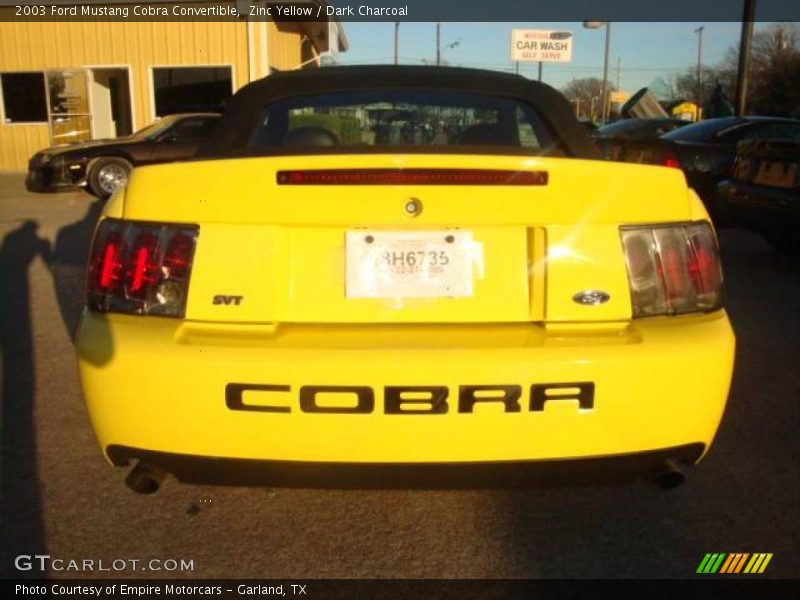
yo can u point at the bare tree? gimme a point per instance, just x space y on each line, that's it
776 71
685 84
585 95
774 82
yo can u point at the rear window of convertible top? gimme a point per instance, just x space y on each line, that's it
393 120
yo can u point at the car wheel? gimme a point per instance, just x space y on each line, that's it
107 175
784 240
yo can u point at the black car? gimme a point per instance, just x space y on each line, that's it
620 140
103 166
706 150
763 191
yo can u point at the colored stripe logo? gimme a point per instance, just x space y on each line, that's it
736 562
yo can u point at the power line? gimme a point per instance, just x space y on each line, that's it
556 66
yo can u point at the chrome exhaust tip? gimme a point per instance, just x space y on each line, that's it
145 478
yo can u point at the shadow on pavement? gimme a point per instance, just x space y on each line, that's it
69 264
21 528
743 495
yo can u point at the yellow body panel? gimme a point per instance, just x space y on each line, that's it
160 384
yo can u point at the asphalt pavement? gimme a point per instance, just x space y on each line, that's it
60 498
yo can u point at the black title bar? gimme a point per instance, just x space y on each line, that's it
529 11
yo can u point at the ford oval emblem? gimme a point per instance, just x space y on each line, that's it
591 297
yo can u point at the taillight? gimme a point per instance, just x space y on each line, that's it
672 268
140 268
671 161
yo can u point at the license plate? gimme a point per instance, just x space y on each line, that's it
776 174
401 264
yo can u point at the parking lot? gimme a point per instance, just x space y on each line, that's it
59 497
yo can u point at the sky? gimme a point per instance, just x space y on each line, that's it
644 50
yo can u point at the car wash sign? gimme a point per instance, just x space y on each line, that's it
541 45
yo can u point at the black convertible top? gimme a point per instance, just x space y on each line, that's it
244 108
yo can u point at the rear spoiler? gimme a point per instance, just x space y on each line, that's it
643 105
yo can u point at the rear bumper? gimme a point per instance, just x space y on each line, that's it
502 474
170 387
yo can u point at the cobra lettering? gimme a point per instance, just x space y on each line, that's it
407 400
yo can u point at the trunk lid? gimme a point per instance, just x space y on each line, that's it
270 253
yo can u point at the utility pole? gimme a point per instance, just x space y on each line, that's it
516 67
744 56
699 92
396 42
540 70
605 75
619 69
604 93
438 44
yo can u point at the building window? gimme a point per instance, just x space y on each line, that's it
24 97
70 119
191 89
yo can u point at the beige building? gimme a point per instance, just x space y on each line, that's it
62 82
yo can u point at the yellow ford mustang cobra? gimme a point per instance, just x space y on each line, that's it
423 274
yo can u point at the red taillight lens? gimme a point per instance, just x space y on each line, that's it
140 268
704 266
142 265
672 268
177 261
108 263
671 162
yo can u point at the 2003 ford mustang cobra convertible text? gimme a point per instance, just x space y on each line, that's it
417 273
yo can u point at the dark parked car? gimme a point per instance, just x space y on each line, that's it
620 140
763 191
706 150
103 166
640 129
